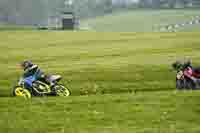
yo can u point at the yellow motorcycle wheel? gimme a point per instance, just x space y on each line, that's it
21 92
62 91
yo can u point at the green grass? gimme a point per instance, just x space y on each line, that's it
95 63
141 113
6 27
140 20
113 64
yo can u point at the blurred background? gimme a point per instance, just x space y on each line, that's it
101 15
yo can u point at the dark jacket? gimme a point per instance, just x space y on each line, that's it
33 71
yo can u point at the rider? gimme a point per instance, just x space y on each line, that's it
177 65
195 71
190 70
31 73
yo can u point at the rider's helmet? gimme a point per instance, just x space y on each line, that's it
26 64
188 63
177 65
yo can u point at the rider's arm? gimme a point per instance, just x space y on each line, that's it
32 68
30 71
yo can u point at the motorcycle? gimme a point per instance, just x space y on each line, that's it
48 86
188 78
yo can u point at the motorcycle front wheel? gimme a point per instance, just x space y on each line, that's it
180 84
21 92
62 91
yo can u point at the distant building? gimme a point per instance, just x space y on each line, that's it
68 21
54 22
64 21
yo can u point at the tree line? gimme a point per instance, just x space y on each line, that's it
38 11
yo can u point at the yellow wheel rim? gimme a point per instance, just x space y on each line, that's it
19 91
27 94
63 91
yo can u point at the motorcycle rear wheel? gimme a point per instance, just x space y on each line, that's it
62 91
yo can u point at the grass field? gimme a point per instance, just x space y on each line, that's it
95 63
141 113
6 27
141 20
113 64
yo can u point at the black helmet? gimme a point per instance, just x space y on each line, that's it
26 64
188 63
177 65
